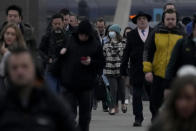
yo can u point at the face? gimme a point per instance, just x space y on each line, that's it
13 17
100 26
83 37
10 36
170 20
21 70
57 23
127 31
170 7
142 22
186 102
66 20
73 21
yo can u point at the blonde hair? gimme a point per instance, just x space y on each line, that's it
20 42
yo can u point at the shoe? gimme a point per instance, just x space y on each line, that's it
112 111
105 110
124 108
95 105
116 109
137 124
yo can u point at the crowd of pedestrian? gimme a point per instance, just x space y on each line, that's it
54 85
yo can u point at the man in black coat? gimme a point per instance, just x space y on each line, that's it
78 70
133 53
51 47
28 105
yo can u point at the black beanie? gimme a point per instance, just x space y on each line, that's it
85 27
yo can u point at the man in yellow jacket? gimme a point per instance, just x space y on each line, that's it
157 54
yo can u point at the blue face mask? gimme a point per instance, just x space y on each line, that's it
194 39
112 34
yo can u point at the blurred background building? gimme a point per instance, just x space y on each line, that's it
38 12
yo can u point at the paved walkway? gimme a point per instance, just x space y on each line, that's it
121 122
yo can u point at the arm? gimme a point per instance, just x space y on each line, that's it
98 61
43 48
148 55
173 63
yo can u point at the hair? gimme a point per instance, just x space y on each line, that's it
64 11
35 60
101 19
118 36
107 30
169 3
126 30
57 16
170 11
19 37
76 16
16 8
168 116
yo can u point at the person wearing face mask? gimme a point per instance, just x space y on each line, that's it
113 52
184 53
51 48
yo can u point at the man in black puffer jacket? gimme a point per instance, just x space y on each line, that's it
78 70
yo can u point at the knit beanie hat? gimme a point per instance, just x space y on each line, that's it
85 27
115 28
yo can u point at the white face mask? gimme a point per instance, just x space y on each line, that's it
194 39
112 34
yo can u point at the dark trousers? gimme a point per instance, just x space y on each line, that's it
83 99
157 94
138 91
117 90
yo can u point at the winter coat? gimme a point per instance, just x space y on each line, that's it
73 74
158 49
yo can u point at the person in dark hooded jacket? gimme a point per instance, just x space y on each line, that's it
78 70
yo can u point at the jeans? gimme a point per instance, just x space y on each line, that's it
52 82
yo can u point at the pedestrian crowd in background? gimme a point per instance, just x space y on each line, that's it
55 84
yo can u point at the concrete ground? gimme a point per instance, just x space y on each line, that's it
102 121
